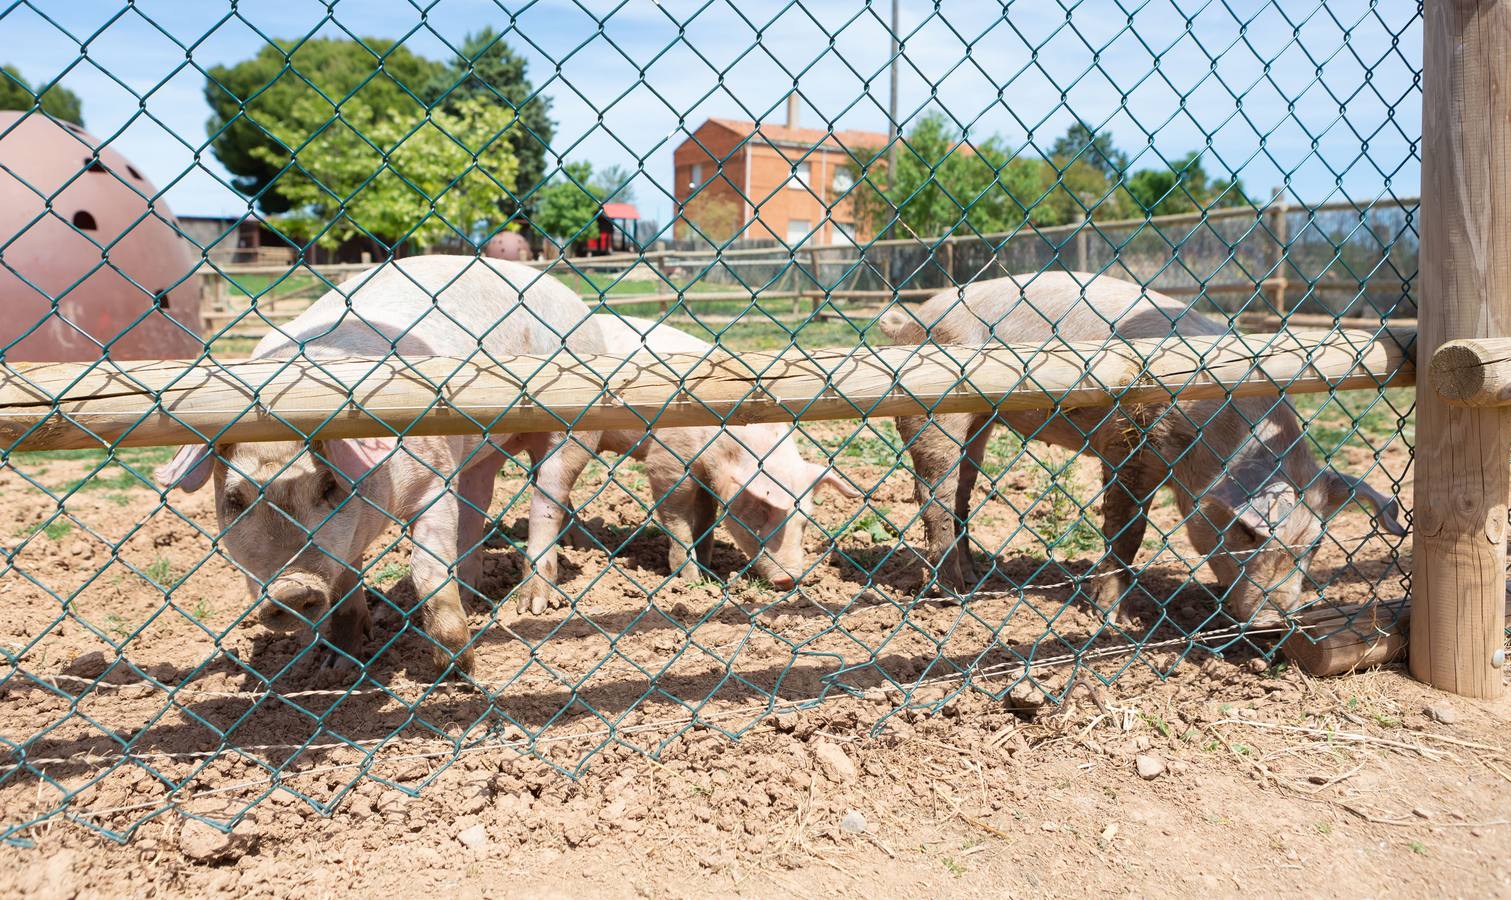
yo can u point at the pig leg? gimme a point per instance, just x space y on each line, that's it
1126 493
475 485
705 513
436 540
556 473
677 513
350 623
970 470
937 445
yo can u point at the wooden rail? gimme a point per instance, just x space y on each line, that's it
49 406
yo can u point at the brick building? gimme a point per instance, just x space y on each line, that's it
765 181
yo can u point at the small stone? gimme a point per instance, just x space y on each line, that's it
91 665
78 548
1149 767
854 822
1422 812
202 843
1110 832
1259 665
474 838
1048 826
835 763
1443 711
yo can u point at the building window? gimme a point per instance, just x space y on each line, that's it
797 231
843 180
844 230
695 180
801 175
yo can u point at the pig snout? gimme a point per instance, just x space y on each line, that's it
292 601
782 577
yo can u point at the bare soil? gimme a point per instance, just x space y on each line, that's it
848 696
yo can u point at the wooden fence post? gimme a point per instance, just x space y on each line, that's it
1280 227
1463 480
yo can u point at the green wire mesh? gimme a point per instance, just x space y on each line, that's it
135 654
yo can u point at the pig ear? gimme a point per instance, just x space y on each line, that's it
829 478
749 481
1263 512
188 469
1341 489
355 457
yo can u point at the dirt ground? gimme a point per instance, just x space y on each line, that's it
885 747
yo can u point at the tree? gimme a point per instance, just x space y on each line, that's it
615 183
284 96
1096 150
375 174
57 101
568 204
489 69
1183 187
944 185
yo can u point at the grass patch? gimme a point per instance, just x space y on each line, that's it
117 626
1367 418
389 573
54 529
160 570
874 522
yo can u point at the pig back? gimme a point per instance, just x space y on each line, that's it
1073 306
1080 306
440 305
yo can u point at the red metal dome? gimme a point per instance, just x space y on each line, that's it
87 277
509 245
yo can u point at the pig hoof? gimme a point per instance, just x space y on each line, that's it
537 596
447 662
1110 594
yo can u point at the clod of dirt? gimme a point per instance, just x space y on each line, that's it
835 763
91 665
854 822
1442 711
205 844
1149 767
474 838
786 722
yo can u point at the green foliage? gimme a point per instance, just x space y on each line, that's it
1096 150
1184 186
57 101
285 95
945 184
375 173
491 71
569 204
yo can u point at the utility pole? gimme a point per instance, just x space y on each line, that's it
892 129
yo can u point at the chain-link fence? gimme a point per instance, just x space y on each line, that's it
986 385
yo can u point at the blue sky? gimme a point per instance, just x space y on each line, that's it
1320 93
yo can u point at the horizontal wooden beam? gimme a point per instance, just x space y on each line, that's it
1335 641
1473 372
47 406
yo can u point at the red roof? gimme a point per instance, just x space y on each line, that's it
621 211
811 137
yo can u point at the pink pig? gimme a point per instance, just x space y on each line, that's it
754 473
297 519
